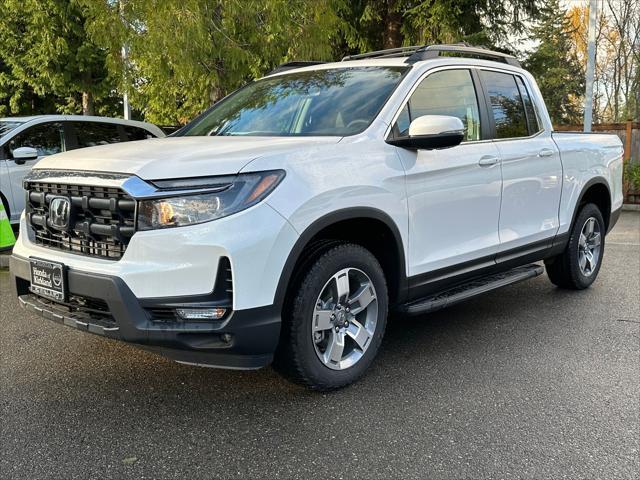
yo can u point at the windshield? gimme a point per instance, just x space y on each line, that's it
7 126
339 101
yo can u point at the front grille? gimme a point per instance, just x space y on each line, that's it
102 219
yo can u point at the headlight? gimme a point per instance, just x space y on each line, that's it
216 197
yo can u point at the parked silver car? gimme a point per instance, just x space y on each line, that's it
26 140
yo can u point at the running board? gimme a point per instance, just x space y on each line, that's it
471 289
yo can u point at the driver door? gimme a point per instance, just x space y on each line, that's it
453 193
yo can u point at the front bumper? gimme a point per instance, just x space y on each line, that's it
243 339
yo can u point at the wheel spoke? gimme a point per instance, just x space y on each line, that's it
582 260
589 227
594 241
322 320
582 241
361 299
589 257
333 353
359 334
342 285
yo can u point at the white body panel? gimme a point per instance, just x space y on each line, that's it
454 205
532 184
183 261
161 158
586 158
446 207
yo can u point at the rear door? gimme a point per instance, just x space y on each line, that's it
83 134
531 167
453 193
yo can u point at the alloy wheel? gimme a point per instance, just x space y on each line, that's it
344 319
589 246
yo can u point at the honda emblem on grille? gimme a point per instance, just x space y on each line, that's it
59 213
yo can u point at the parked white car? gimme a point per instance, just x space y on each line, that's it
288 220
26 140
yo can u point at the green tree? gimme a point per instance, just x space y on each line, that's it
555 65
186 54
377 24
46 52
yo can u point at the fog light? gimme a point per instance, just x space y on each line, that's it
215 313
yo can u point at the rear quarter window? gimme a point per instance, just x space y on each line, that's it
136 133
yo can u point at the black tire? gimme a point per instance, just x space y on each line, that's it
296 357
564 270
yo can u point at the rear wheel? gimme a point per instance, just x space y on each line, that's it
578 266
335 320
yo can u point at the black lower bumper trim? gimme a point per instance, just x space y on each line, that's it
244 339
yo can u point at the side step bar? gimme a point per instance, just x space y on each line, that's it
471 289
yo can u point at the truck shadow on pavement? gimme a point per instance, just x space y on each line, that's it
417 352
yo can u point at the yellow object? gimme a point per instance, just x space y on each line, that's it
7 239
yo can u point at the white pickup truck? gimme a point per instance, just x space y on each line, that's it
286 222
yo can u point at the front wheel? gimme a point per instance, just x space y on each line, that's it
335 321
578 266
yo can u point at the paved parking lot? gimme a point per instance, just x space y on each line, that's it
526 382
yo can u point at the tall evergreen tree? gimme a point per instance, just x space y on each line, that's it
555 65
377 24
186 54
45 49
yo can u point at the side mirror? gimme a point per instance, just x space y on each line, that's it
432 131
22 154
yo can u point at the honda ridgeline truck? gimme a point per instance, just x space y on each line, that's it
286 222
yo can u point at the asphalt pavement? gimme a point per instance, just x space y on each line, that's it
525 382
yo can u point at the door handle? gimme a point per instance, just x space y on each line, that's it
488 161
546 152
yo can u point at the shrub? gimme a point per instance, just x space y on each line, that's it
632 176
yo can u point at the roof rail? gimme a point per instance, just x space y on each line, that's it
291 65
434 51
388 53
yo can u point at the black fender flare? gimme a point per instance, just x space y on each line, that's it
328 220
592 182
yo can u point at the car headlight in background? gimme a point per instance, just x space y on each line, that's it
216 197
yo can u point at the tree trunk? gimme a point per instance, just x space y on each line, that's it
392 35
87 103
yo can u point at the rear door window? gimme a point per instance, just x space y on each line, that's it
92 134
506 104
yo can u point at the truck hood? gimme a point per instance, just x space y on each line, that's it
176 157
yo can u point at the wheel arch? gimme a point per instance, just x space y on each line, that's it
596 191
327 228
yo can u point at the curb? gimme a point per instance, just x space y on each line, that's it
631 207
